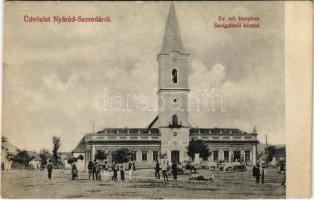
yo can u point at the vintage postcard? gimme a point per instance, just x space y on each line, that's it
151 100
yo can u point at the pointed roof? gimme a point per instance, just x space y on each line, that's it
80 148
152 123
172 38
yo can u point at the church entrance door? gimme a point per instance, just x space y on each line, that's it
175 156
237 155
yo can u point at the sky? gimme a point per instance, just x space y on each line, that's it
55 75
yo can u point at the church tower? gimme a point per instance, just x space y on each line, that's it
173 116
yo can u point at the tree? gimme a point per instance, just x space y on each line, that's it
44 155
121 155
271 153
10 156
198 146
100 155
56 145
75 159
22 157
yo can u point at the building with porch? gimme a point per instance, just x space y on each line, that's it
169 134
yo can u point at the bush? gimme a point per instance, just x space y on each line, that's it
23 158
239 168
75 159
100 155
121 155
198 146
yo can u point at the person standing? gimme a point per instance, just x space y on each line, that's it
157 169
115 170
164 170
98 171
130 165
174 170
94 169
168 166
49 168
90 169
256 174
283 183
263 173
74 172
133 165
131 170
105 171
122 176
188 167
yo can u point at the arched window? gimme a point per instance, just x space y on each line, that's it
174 76
174 120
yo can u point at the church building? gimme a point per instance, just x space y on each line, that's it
169 134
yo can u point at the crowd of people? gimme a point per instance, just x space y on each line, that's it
99 171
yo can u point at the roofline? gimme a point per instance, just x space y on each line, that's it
152 123
166 54
218 133
233 141
124 128
174 127
126 142
174 89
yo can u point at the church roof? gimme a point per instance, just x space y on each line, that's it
172 38
155 131
217 131
151 125
129 131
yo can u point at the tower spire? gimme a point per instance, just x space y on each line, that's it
172 38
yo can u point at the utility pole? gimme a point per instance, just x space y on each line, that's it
266 149
93 128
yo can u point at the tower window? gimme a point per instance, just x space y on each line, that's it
174 120
174 76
